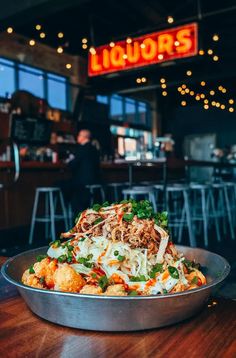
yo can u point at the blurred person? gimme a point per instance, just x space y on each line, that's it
85 168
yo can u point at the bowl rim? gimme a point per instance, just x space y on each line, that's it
224 273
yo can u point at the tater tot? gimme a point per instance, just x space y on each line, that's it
30 279
115 290
67 279
91 289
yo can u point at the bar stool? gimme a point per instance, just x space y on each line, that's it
231 189
136 192
93 189
51 195
203 208
116 190
222 203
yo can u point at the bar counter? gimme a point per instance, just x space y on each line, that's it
17 199
212 333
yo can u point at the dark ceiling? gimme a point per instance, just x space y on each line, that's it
106 20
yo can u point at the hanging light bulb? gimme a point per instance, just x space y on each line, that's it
187 90
164 93
201 52
143 79
138 80
9 30
197 98
231 101
215 58
202 95
191 93
184 86
212 93
179 89
210 51
206 106
84 40
176 43
160 56
203 83
183 103
170 19
31 42
224 90
84 46
68 66
206 101
60 35
59 49
142 45
215 37
38 27
182 92
163 85
189 73
128 40
42 35
222 106
92 51
231 109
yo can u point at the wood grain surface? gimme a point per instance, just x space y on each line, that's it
22 334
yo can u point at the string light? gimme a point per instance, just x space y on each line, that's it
170 19
183 103
213 103
179 89
42 35
212 93
160 56
222 106
143 79
60 35
31 42
68 66
10 30
215 37
231 101
84 40
210 51
203 83
163 85
231 109
164 93
162 80
92 51
202 95
184 86
182 92
189 73
84 46
191 93
38 27
215 58
138 80
206 101
224 90
187 90
201 52
59 49
206 106
217 104
128 40
197 98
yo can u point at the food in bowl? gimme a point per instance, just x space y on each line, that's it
123 249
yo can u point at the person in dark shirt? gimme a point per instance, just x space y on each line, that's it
85 168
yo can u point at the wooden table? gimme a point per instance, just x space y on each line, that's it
22 334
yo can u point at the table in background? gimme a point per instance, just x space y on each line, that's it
212 333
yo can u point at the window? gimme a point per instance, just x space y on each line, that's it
7 77
143 113
31 80
42 84
130 110
57 91
102 99
116 108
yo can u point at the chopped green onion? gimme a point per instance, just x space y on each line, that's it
94 275
97 221
116 253
165 291
96 207
39 258
133 293
156 268
195 280
128 217
106 203
62 258
83 238
121 258
31 269
173 272
138 278
56 243
42 279
103 282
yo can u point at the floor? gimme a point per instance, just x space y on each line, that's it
14 242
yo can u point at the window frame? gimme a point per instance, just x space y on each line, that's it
16 66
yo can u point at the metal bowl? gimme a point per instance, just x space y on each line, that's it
112 313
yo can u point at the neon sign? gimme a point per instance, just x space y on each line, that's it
154 48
